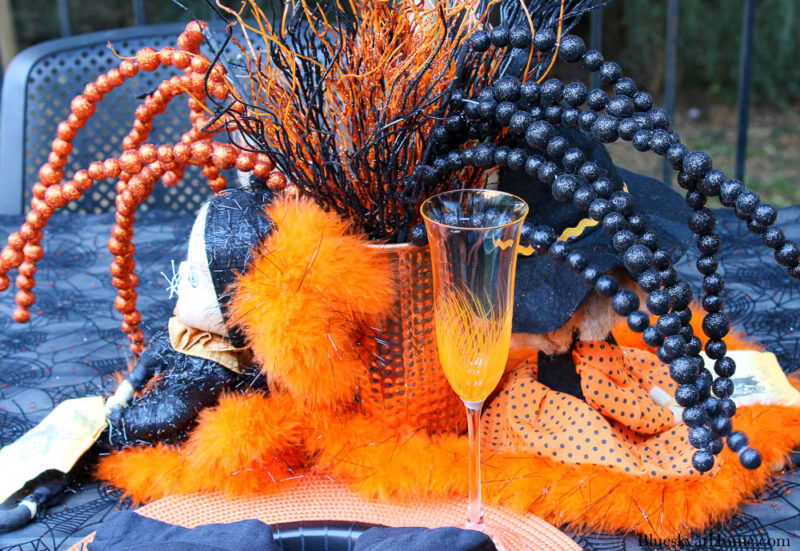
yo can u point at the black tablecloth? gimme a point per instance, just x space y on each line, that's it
73 344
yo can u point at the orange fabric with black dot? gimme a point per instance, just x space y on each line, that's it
618 426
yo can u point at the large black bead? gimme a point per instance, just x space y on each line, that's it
697 163
711 183
603 187
500 36
702 221
532 165
624 302
622 202
686 395
575 93
599 209
729 191
519 122
610 72
507 88
695 416
695 199
571 49
649 281
571 117
583 197
605 128
708 244
637 259
573 159
454 160
652 337
457 98
721 425
614 222
504 112
544 40
597 99
716 325
716 349
637 223
716 446
641 139
704 380
675 155
712 303
557 146
484 155
592 60
564 187
661 118
576 261
620 106
675 345
699 437
702 461
638 321
660 142
713 406
713 284
750 458
643 101
487 108
542 237
669 276
765 214
539 133
586 120
746 204
682 369
480 41
787 254
548 172
680 295
626 87
501 156
516 159
723 387
552 90
531 91
707 265
417 235
737 441
686 181
468 156
725 367
590 275
606 285
520 36
669 324
773 237
728 407
694 346
559 251
627 128
623 240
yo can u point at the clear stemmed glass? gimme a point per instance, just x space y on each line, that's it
473 236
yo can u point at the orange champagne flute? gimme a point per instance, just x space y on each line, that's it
473 236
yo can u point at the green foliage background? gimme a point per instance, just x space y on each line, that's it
634 34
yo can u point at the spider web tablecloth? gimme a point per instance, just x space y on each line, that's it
73 344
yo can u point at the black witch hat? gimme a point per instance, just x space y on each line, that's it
540 306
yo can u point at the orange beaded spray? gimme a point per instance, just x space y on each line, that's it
137 169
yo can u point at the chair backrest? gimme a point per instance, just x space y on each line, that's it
38 87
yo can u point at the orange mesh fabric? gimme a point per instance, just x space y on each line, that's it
316 498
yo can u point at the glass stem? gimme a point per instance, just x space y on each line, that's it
474 512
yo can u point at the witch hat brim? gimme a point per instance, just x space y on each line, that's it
546 293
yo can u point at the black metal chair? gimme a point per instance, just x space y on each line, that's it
38 86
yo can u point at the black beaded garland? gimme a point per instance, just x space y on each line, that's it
702 460
610 72
592 60
571 48
686 395
624 302
520 37
575 93
606 285
696 164
750 458
597 99
500 36
544 40
737 441
552 90
625 87
576 261
480 41
417 235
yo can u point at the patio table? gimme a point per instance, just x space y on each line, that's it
73 345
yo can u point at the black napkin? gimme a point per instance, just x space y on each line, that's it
127 531
423 539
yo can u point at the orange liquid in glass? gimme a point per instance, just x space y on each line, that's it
473 344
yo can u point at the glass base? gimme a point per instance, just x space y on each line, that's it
493 533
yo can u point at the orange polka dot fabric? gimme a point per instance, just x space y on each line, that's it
618 426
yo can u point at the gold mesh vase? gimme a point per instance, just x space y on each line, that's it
404 383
